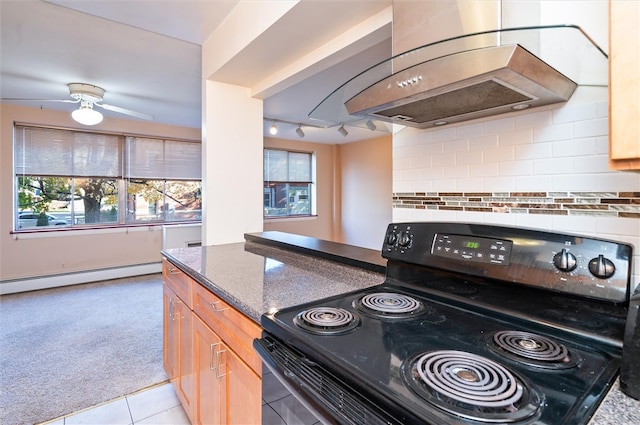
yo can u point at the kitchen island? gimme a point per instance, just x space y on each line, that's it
272 270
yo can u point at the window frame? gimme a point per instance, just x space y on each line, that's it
271 186
122 217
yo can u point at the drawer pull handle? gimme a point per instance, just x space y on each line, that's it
174 271
218 374
215 307
217 366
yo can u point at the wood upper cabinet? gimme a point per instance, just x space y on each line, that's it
624 85
223 384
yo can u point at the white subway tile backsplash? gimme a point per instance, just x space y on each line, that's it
552 133
520 137
502 154
461 145
574 112
533 151
619 180
574 147
533 120
444 160
529 183
515 168
458 171
574 182
421 162
469 131
483 142
401 163
591 164
598 127
553 166
483 170
499 126
545 169
463 158
602 145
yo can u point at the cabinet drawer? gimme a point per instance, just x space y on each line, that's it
235 329
178 281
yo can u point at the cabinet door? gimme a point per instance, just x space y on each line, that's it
209 378
243 392
177 350
169 334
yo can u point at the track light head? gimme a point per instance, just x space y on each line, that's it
343 131
273 130
299 131
370 125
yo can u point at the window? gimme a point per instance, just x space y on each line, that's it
287 183
74 178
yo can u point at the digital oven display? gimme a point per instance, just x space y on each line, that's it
478 249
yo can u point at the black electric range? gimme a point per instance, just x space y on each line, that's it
474 324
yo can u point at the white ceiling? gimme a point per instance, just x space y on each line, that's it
147 56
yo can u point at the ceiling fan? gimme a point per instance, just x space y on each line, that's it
88 95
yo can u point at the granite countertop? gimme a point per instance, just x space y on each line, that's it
257 278
274 270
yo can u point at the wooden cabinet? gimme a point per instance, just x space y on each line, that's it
177 356
624 85
223 385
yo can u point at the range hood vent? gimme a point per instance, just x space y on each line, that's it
449 83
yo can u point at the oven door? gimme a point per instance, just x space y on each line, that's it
329 398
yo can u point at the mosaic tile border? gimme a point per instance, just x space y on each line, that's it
601 204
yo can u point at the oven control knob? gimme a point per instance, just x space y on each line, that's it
565 261
602 267
391 239
404 240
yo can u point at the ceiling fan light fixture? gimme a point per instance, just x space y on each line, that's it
86 115
273 130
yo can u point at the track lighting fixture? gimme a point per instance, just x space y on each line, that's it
370 125
343 131
86 115
299 131
273 130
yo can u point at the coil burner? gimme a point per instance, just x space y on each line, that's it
472 387
532 349
389 304
326 320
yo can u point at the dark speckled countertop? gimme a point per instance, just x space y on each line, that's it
273 270
256 278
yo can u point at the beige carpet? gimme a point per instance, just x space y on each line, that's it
70 348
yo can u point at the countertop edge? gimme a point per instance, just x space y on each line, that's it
352 255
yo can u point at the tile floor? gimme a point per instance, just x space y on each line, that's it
160 406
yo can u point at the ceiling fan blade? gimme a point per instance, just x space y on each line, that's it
126 111
41 100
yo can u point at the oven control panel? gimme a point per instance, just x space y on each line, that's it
482 250
560 262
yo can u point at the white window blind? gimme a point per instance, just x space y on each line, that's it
54 152
163 159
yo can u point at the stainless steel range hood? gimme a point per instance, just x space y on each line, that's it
471 76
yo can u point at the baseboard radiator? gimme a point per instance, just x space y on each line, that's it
66 279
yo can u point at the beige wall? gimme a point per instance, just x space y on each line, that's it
33 255
366 171
353 183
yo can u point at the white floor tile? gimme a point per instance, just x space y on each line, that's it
114 413
152 401
173 416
